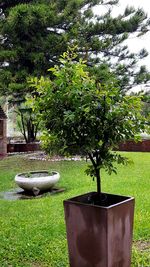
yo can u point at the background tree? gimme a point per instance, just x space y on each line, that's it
146 107
79 115
34 33
26 122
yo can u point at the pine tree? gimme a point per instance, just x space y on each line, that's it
34 33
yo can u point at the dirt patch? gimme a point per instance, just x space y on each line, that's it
43 156
19 194
36 264
142 245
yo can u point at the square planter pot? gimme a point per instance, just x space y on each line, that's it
99 236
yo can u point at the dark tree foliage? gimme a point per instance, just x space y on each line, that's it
4 4
34 33
146 108
27 124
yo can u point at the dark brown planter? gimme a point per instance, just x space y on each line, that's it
99 236
22 147
143 146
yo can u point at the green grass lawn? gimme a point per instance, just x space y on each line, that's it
32 232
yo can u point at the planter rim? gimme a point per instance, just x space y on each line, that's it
74 201
43 181
21 177
22 174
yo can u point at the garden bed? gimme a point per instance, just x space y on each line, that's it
143 146
22 147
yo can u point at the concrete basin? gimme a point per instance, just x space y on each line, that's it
37 181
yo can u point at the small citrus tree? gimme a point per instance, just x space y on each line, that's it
80 115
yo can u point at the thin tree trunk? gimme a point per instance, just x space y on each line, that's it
98 178
23 127
36 130
97 172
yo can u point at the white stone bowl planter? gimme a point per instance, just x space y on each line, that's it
37 181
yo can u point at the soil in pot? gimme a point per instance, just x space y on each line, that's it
104 200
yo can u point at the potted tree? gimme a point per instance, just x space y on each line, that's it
83 116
